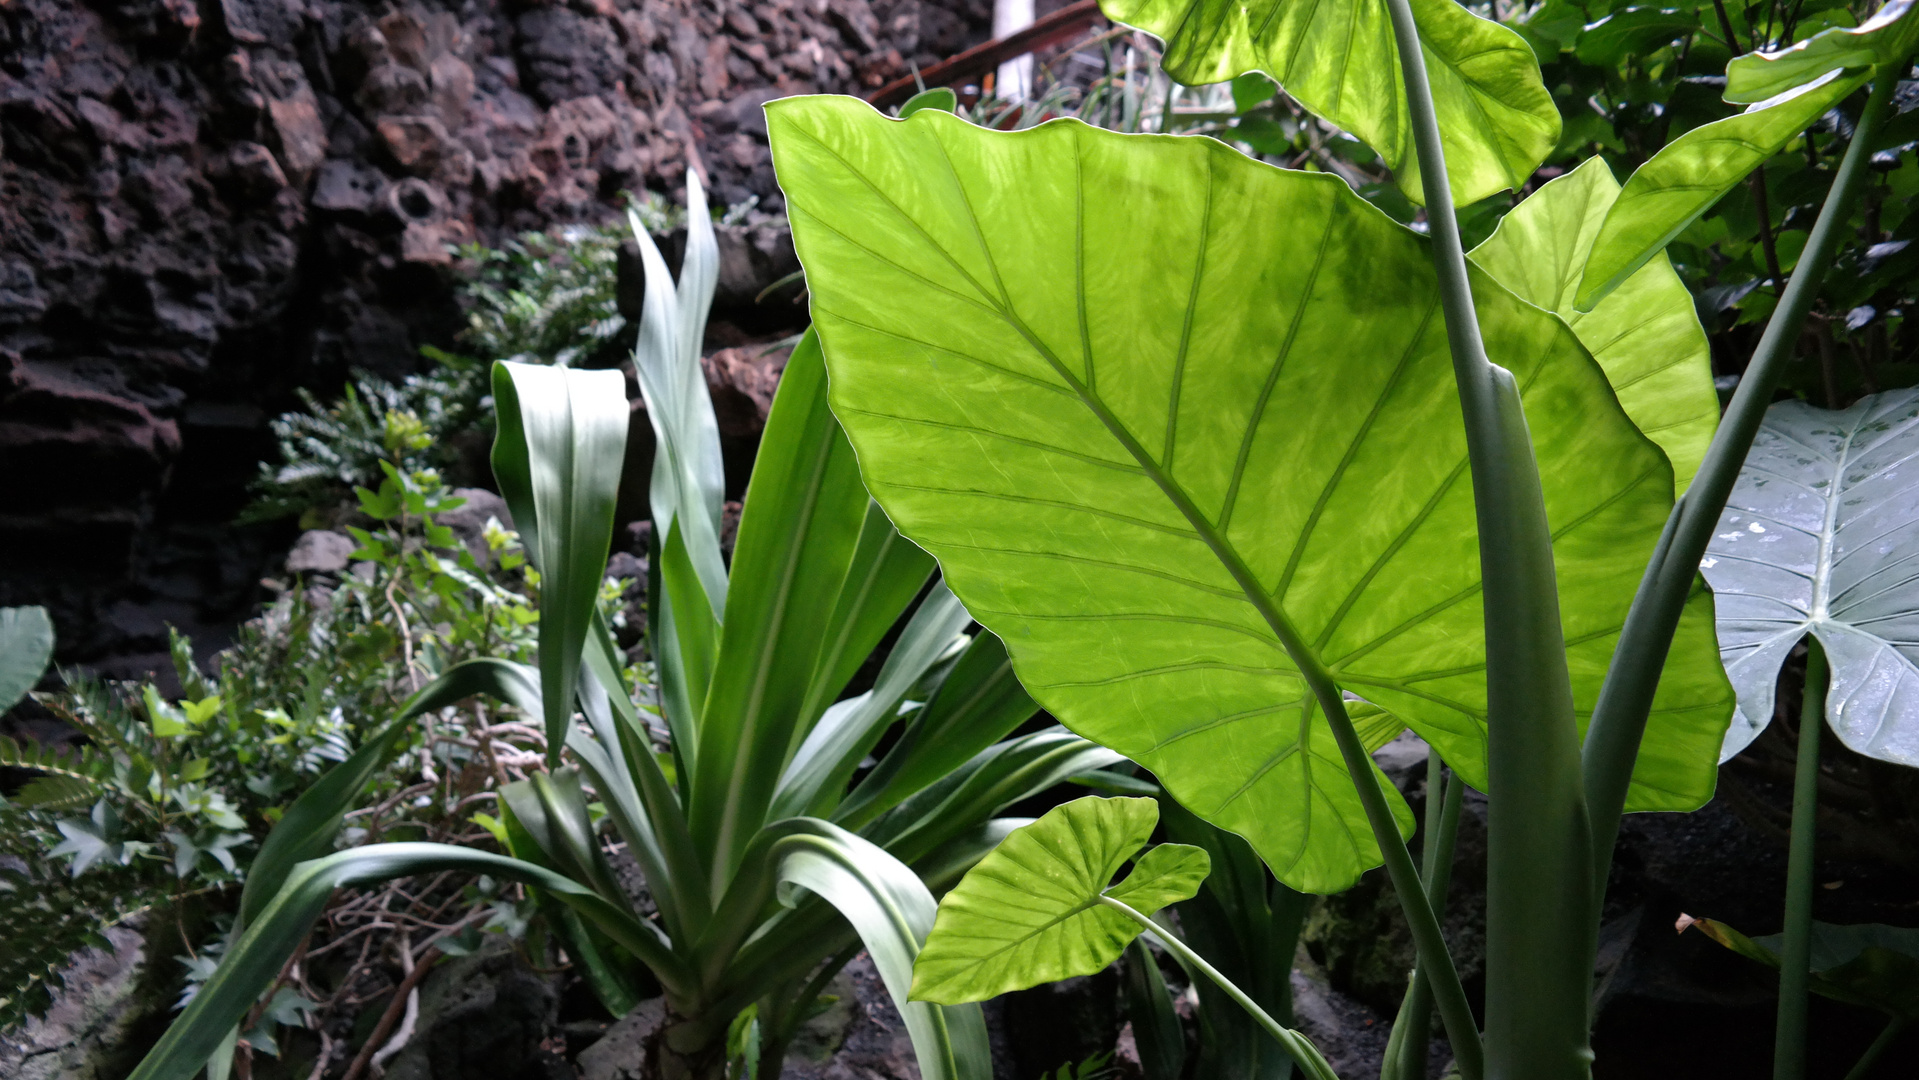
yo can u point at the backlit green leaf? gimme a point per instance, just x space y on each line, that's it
1691 173
1888 37
1646 333
1496 120
1125 459
1029 912
1632 30
1821 536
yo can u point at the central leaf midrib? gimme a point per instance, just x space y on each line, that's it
1822 568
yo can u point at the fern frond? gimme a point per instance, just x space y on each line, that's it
84 766
56 793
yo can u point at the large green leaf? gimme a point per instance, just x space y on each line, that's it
798 532
1888 37
1691 173
1134 525
557 455
1646 333
1029 912
1821 536
1339 59
26 647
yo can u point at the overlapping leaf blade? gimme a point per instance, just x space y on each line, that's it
1339 59
1821 536
979 703
1268 400
1645 334
1029 912
1691 173
892 912
1889 36
689 478
557 456
799 531
816 778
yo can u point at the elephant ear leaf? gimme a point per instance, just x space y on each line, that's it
1888 37
1645 334
1691 173
1154 478
1339 59
1029 913
1821 536
26 647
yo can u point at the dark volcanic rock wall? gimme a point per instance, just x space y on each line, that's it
206 203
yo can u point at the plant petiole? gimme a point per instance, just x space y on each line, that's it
1406 1050
1297 1046
1863 1067
1795 953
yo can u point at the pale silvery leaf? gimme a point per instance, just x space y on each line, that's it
1821 536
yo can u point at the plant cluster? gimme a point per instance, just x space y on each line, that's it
1242 477
1211 497
538 298
163 799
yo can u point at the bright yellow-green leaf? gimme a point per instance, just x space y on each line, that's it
1888 37
1646 333
199 712
163 715
1141 394
1029 913
1339 59
1687 176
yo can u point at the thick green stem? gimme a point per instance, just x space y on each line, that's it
1297 1046
1795 953
1539 925
1406 1050
1619 718
1873 1053
1429 943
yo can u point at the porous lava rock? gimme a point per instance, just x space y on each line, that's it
205 204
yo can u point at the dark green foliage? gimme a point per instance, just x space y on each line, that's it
46 915
327 451
171 796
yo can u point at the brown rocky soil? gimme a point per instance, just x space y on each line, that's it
207 203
